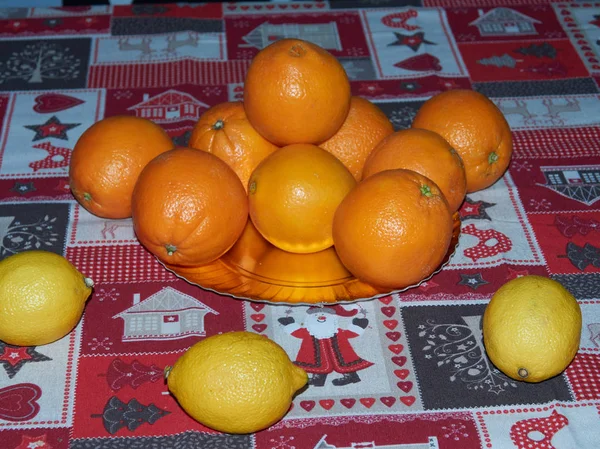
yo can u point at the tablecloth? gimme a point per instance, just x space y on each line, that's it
427 383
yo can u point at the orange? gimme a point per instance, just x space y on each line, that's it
296 92
426 153
188 207
365 126
107 160
475 128
224 130
393 229
293 194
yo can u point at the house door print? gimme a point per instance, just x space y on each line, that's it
170 324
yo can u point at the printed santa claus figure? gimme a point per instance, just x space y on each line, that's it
326 347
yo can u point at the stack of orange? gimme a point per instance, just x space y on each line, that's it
313 167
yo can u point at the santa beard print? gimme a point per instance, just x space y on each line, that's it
322 325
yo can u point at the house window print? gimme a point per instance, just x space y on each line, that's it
431 443
323 34
578 183
504 21
169 106
165 315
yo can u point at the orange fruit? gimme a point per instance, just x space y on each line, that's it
393 229
224 130
365 126
189 207
426 153
107 160
475 127
296 92
293 194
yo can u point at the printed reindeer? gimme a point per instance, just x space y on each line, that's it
143 46
554 109
109 229
173 43
518 107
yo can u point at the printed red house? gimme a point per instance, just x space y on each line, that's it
169 106
165 315
504 21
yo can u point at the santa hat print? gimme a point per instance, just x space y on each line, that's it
334 310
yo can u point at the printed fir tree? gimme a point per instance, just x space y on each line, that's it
118 414
505 60
544 50
134 374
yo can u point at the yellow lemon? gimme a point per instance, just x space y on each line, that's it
42 296
236 382
531 328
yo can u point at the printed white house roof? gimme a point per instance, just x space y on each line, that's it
168 299
169 98
503 15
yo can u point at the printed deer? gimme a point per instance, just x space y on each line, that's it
109 228
594 333
554 109
143 46
173 44
518 107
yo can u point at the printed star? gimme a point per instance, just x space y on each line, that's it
496 389
52 128
475 210
39 442
12 358
461 347
23 187
413 42
410 86
473 281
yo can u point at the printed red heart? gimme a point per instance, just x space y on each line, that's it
386 299
367 402
245 8
327 403
420 63
308 6
258 317
582 42
568 19
585 48
19 402
255 305
571 25
399 360
295 6
349 403
405 386
394 336
578 36
231 8
593 60
320 5
396 349
259 327
401 373
258 7
408 400
596 67
282 6
589 54
388 311
390 324
307 405
270 6
238 96
566 12
388 400
47 103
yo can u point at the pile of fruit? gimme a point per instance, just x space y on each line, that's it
312 166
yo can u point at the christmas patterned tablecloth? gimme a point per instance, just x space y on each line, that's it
422 379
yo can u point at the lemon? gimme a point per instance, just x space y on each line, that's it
42 296
531 328
236 382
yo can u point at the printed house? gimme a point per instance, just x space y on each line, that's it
166 315
168 106
323 34
504 21
580 183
